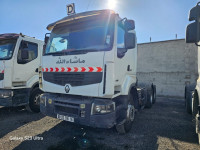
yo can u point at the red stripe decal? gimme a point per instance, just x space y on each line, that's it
46 69
91 69
75 69
2 71
99 69
83 69
51 69
42 69
62 69
57 69
68 69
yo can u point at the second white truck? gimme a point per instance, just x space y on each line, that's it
20 58
192 92
88 71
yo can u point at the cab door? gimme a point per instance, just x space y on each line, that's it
26 63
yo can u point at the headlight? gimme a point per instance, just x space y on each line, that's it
6 93
98 108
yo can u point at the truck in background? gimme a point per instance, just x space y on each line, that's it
193 91
20 58
88 71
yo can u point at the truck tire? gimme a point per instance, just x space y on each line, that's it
195 104
188 101
34 101
154 94
149 98
126 126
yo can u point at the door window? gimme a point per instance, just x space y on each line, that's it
32 52
120 37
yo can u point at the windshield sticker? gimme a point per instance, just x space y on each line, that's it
70 61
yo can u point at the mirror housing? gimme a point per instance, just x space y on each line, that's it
129 25
24 54
46 39
194 13
130 40
24 45
192 33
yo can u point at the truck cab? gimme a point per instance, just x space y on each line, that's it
20 58
88 71
193 36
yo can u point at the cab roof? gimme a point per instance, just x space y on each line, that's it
9 35
79 16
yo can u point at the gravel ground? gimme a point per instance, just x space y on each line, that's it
165 126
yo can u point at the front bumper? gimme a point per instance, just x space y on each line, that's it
78 107
10 98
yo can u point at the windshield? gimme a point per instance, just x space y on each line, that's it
6 49
95 34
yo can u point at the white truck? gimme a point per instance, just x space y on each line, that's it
88 71
193 91
20 58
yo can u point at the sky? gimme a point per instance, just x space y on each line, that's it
159 19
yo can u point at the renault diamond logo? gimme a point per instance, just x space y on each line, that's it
67 89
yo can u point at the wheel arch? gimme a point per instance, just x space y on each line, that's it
35 85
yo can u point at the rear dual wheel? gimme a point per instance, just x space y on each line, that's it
154 94
150 98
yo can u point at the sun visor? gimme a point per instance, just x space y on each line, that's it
78 16
9 36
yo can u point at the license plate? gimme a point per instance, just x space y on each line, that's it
66 118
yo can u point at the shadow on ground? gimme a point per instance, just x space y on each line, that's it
165 126
12 118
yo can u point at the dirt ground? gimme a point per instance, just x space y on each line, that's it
165 126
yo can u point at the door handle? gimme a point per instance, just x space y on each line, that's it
129 68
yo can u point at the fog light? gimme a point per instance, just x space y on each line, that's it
50 101
82 106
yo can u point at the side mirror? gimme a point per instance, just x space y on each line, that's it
24 54
129 25
24 45
193 29
46 39
194 13
192 33
130 40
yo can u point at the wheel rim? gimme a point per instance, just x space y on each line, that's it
130 112
37 99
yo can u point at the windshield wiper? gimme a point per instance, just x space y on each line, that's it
55 53
80 51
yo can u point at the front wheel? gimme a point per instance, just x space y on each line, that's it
126 126
34 101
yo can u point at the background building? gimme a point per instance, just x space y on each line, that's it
169 64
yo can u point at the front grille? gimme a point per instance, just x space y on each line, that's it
73 78
66 103
67 110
